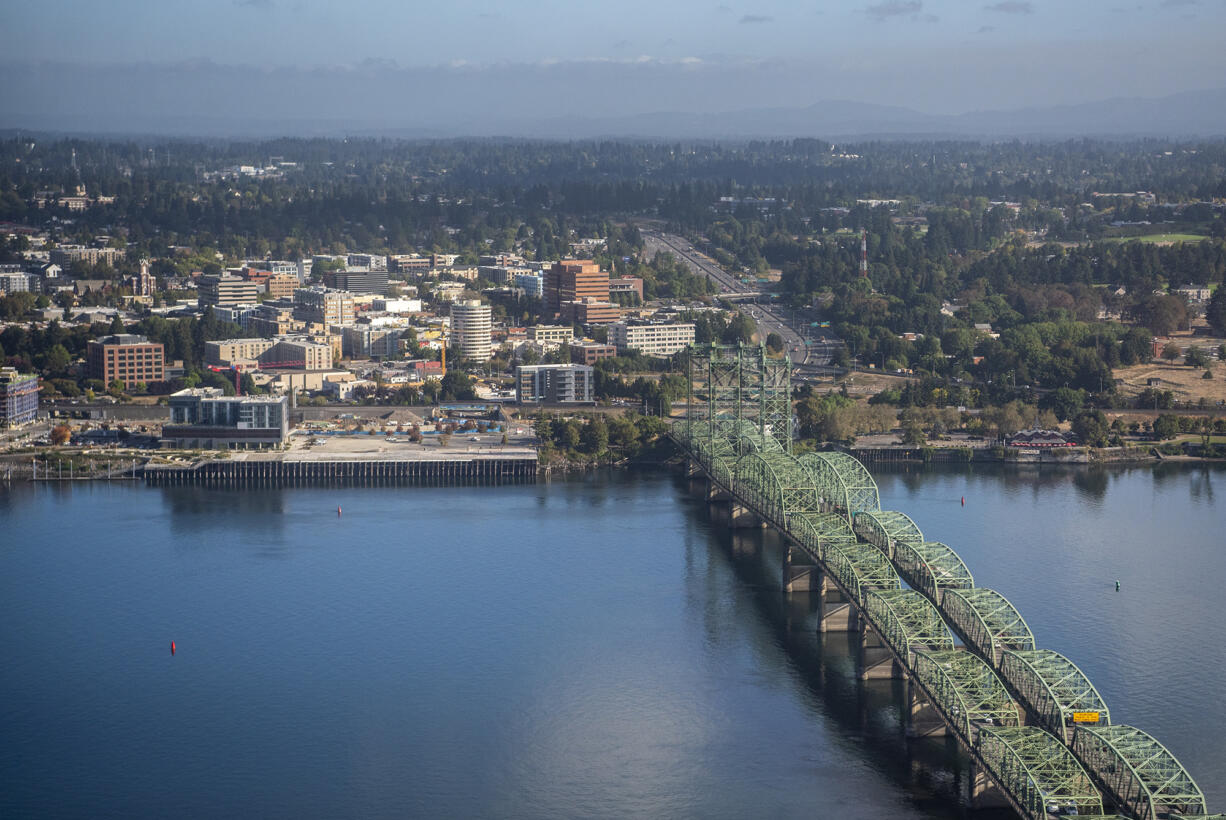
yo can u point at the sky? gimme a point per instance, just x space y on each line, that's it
635 56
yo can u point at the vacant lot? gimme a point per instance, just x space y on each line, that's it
1185 382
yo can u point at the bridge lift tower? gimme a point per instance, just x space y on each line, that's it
739 392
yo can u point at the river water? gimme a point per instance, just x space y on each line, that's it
589 647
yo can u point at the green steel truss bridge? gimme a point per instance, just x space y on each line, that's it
1039 735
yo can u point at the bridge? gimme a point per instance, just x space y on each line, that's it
1039 736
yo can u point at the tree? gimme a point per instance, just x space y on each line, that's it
1215 312
595 436
1171 352
1091 427
774 341
1065 402
60 434
1195 357
1166 426
913 434
456 385
117 327
57 359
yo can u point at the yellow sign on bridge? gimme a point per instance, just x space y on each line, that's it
1085 717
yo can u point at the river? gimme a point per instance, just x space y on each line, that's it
595 646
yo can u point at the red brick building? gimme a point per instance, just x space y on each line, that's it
127 358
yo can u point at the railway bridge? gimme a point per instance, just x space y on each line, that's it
1039 735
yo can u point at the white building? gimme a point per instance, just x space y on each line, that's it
470 329
555 383
651 339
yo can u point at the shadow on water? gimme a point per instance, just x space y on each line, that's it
869 716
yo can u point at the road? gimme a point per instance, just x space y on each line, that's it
808 359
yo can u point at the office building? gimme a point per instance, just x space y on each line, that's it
628 286
532 284
269 354
554 384
470 329
589 312
206 418
357 281
551 334
651 339
127 358
227 290
591 352
282 285
574 279
18 397
323 306
12 282
364 341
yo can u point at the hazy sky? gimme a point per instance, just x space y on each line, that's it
938 56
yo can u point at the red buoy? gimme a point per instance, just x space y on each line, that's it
338 512
963 501
172 647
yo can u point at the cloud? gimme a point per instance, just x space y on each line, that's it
894 8
1169 4
756 18
985 29
1011 7
255 4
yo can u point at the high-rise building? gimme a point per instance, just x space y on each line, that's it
573 280
470 329
18 397
127 358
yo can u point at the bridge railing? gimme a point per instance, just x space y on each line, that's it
907 622
986 622
966 691
1056 691
931 567
1037 772
1138 772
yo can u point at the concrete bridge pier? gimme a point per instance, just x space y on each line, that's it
876 660
742 517
985 794
694 470
715 493
923 720
838 615
800 574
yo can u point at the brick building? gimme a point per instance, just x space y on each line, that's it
127 358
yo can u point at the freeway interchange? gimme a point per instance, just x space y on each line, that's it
809 356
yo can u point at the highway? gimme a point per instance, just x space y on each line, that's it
807 359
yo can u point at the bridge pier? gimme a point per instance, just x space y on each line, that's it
741 517
716 493
799 571
985 794
923 720
838 615
876 660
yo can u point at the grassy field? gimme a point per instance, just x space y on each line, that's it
1159 238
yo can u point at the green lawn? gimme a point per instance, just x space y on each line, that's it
1159 237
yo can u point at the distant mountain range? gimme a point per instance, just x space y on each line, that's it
1191 114
562 102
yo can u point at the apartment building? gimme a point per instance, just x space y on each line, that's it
470 329
555 384
651 339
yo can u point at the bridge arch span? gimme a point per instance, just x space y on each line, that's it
843 482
